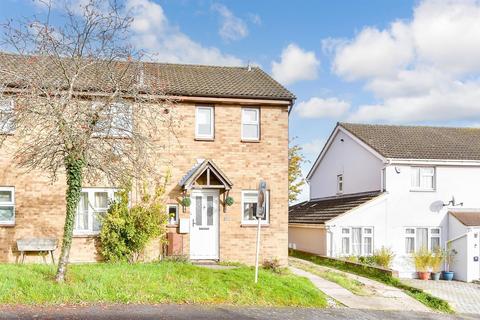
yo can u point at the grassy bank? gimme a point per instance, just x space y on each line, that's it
425 298
164 282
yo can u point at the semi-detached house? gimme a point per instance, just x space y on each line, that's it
401 187
233 132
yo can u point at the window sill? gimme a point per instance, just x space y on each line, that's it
87 235
204 139
250 141
254 225
172 225
423 190
7 224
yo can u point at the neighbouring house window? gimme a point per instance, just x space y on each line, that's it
340 183
249 207
345 241
116 121
7 205
93 204
172 210
422 237
204 122
250 124
423 178
7 123
357 241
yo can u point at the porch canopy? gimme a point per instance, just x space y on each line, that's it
205 175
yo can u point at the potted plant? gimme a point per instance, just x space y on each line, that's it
449 259
437 260
422 259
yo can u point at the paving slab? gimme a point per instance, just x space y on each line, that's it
463 297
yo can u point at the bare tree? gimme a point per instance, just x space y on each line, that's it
84 103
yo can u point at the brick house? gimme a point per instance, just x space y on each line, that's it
234 132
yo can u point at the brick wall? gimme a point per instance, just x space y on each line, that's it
40 204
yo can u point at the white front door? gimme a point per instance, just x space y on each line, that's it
204 224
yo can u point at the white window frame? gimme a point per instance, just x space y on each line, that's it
245 122
430 235
349 235
210 136
91 210
265 221
340 183
174 221
8 204
115 129
7 107
422 173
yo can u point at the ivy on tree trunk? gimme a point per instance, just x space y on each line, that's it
74 167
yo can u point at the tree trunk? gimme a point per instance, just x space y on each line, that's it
74 167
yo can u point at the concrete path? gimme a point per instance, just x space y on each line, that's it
190 312
383 297
463 297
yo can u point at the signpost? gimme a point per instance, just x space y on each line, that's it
259 214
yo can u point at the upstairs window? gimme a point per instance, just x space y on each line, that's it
7 205
116 121
204 123
423 178
340 183
250 124
7 123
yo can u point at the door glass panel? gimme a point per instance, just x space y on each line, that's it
209 210
198 210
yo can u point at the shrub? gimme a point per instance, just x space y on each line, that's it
368 260
422 259
351 258
126 230
383 257
272 265
437 259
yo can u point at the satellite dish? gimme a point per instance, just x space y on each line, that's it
436 206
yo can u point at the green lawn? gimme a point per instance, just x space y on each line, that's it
422 296
163 282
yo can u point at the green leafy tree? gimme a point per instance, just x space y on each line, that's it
295 179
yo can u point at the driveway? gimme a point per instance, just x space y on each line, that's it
463 297
195 312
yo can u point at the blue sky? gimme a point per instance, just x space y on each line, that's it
376 61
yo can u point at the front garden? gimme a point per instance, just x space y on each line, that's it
162 282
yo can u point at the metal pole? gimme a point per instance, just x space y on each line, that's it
258 250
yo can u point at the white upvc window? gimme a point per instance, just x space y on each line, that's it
93 204
423 178
115 121
249 207
357 241
172 211
417 238
340 183
7 121
204 122
7 205
250 124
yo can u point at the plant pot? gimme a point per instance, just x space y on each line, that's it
447 275
423 275
436 276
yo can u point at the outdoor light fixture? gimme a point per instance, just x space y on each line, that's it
453 203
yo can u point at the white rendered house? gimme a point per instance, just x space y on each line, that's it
402 187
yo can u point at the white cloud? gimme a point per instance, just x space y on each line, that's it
322 108
312 149
424 69
232 27
295 64
255 19
153 32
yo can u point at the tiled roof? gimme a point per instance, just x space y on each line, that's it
172 79
319 211
469 219
419 142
